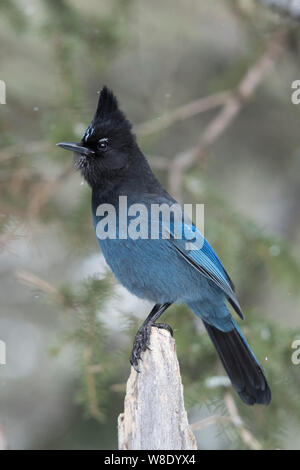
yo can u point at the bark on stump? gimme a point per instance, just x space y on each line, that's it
154 416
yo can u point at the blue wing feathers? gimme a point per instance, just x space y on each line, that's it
206 261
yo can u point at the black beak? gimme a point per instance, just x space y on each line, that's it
74 147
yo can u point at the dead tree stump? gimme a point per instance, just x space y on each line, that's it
154 416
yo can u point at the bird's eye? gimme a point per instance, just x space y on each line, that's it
103 143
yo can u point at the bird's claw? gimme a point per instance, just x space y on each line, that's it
140 344
164 326
142 341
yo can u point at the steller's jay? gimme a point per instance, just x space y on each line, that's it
161 270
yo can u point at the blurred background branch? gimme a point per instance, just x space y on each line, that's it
232 418
183 112
287 7
233 106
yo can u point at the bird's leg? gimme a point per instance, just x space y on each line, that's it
142 338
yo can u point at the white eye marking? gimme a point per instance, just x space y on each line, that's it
102 144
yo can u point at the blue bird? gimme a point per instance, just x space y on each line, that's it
163 270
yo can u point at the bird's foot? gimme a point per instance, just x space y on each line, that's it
142 342
164 326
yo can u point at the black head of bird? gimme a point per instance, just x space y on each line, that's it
107 144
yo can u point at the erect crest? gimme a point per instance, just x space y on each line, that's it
107 103
106 109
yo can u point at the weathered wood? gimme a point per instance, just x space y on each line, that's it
154 416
